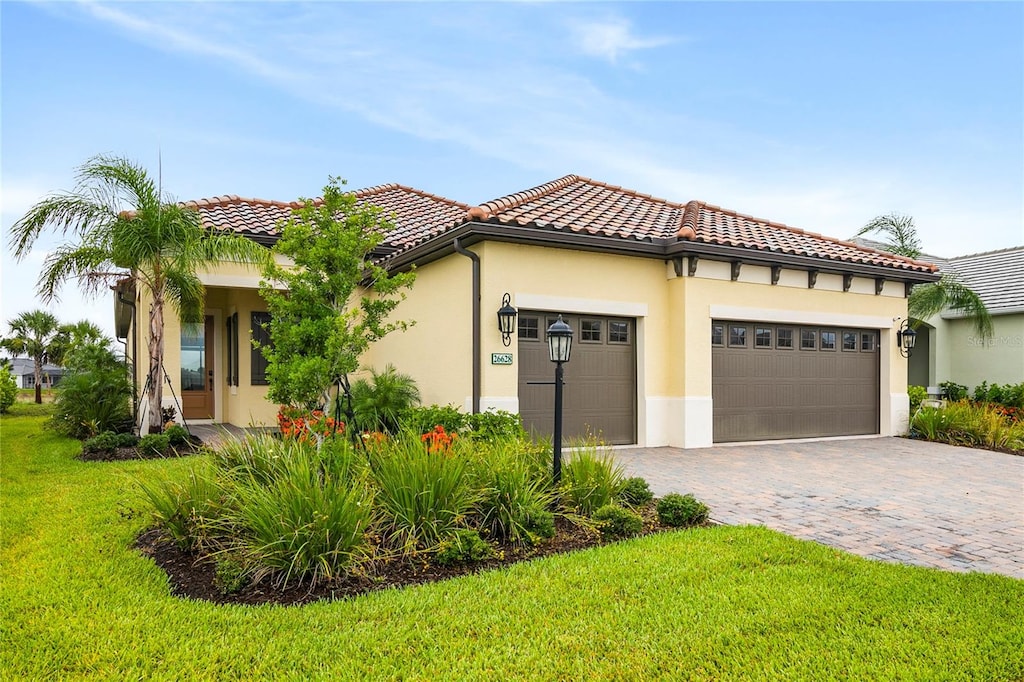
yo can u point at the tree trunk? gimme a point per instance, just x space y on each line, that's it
39 379
155 378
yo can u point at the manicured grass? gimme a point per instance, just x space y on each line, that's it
717 603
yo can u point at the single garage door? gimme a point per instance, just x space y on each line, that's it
773 381
600 378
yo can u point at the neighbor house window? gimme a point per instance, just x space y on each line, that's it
590 330
618 332
763 337
784 338
529 328
261 335
808 339
828 340
717 335
849 340
737 335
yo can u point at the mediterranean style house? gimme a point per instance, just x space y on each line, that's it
692 324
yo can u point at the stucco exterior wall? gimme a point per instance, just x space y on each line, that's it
972 359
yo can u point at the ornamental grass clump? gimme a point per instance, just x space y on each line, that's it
514 502
591 478
305 524
969 424
190 510
422 496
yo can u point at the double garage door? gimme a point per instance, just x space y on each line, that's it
599 398
773 381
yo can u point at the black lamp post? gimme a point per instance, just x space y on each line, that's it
506 320
905 338
559 348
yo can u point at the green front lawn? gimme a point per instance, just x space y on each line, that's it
715 603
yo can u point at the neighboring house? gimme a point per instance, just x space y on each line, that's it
948 346
24 370
692 324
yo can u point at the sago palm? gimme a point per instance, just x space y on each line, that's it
122 225
926 300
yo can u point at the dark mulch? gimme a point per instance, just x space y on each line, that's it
193 446
194 576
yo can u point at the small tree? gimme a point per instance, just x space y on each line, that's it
335 301
34 334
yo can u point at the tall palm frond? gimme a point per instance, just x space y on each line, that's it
899 232
950 293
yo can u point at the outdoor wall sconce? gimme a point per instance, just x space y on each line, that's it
905 338
506 320
559 348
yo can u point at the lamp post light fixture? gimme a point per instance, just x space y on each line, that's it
905 338
559 348
506 320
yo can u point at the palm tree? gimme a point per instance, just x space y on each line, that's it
125 227
926 300
33 334
72 339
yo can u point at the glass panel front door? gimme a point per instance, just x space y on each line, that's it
197 370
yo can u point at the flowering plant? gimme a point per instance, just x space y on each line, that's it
438 440
302 425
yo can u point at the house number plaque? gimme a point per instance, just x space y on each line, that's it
501 358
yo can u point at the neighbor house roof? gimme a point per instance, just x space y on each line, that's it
996 276
417 215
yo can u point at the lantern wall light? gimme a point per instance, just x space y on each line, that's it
506 320
905 338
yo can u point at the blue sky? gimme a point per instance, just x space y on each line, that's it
818 115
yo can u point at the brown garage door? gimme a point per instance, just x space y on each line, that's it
600 377
774 381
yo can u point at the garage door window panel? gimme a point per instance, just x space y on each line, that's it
618 332
849 341
529 328
828 340
808 339
718 335
737 336
590 331
763 337
784 339
867 342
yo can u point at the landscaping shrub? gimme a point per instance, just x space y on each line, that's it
425 419
297 423
463 546
8 389
154 444
917 394
94 397
104 442
590 479
953 391
681 510
635 492
304 524
422 496
973 425
496 425
189 511
616 522
176 434
514 501
383 401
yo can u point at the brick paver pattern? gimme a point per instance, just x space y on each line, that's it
891 499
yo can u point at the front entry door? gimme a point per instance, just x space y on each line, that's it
197 369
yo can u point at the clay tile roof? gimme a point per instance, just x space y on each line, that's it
578 204
715 225
417 215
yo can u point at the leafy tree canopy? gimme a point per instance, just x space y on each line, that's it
335 301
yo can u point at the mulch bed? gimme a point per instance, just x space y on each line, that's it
194 577
193 446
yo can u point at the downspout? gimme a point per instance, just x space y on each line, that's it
476 321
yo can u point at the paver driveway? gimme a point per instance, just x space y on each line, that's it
891 499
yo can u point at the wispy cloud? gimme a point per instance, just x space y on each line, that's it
612 38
